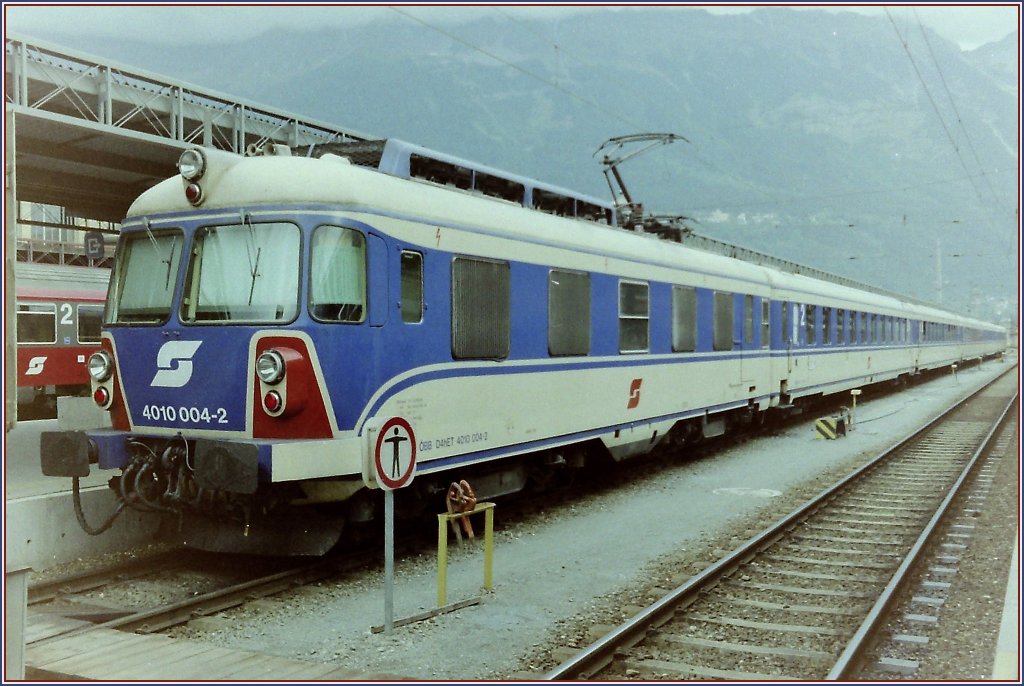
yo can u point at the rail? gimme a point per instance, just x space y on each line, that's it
600 654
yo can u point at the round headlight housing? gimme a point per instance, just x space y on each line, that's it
192 164
100 366
270 367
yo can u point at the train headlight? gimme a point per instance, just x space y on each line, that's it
270 367
192 164
101 366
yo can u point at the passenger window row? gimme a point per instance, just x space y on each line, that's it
481 316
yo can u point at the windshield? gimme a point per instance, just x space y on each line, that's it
243 272
145 273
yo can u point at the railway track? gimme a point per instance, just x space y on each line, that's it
803 600
205 590
51 589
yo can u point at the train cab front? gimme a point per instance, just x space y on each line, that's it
212 382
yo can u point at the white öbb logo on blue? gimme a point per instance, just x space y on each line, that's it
174 363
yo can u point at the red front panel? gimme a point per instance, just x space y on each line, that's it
305 414
53 365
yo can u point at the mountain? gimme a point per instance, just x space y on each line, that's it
999 60
825 138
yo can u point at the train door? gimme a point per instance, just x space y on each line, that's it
377 280
797 320
726 322
745 344
916 339
765 364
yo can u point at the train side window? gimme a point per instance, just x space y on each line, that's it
848 328
568 313
412 287
634 317
90 317
766 323
722 339
748 320
826 325
684 319
812 325
37 323
481 309
338 275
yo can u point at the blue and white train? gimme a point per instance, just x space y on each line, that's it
283 334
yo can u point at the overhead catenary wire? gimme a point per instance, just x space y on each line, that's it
942 121
931 99
695 148
956 111
783 203
582 99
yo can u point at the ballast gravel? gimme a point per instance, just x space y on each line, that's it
563 573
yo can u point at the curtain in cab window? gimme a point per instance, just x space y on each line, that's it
338 275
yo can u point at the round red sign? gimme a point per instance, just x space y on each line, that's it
394 457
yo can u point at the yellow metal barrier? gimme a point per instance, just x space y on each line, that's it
442 547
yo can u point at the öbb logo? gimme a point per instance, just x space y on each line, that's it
35 366
174 363
634 394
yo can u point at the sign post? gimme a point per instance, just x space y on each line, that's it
389 561
394 465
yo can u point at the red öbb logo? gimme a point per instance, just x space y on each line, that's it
634 394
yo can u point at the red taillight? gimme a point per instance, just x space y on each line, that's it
272 402
194 193
101 396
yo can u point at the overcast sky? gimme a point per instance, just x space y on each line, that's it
969 26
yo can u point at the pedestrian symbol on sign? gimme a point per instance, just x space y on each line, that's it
395 440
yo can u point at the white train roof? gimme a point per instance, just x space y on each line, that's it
40 275
233 182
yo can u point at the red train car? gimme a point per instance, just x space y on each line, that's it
59 312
